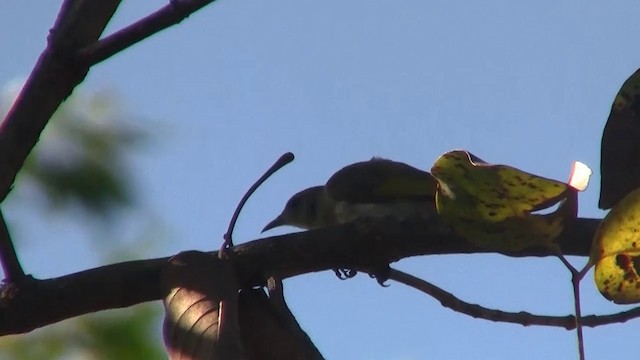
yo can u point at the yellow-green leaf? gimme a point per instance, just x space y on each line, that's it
492 205
616 252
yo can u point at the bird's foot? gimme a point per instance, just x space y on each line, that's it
344 274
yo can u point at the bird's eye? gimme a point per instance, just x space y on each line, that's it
294 203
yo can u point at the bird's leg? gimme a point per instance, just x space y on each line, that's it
380 273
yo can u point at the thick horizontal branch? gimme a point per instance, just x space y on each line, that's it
357 245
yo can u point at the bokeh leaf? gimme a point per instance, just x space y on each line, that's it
81 163
81 158
493 205
620 150
616 252
116 334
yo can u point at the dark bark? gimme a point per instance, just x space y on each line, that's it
36 303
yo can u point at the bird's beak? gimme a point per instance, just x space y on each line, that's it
279 221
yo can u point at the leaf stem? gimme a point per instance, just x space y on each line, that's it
282 161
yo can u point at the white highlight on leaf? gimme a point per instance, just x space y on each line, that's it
580 174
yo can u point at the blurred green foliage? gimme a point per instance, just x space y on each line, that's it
82 161
81 158
116 334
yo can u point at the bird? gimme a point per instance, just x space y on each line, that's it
308 209
376 188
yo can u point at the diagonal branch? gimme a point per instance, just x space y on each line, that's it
169 15
8 258
72 48
54 77
355 245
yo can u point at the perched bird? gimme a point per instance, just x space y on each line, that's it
376 188
308 209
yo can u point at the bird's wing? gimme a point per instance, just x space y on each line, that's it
380 181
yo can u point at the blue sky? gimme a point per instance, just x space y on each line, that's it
225 93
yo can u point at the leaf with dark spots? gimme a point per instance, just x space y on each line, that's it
615 254
492 205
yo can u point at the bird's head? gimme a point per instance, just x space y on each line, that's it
308 209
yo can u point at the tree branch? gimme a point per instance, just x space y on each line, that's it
71 50
169 15
52 80
362 244
450 301
8 258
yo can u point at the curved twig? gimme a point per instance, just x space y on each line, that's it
523 318
282 161
575 287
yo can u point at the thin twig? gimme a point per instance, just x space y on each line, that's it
523 318
282 161
575 283
168 15
576 276
10 264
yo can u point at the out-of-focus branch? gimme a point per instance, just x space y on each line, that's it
355 245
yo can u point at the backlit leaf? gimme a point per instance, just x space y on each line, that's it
616 252
492 205
201 308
